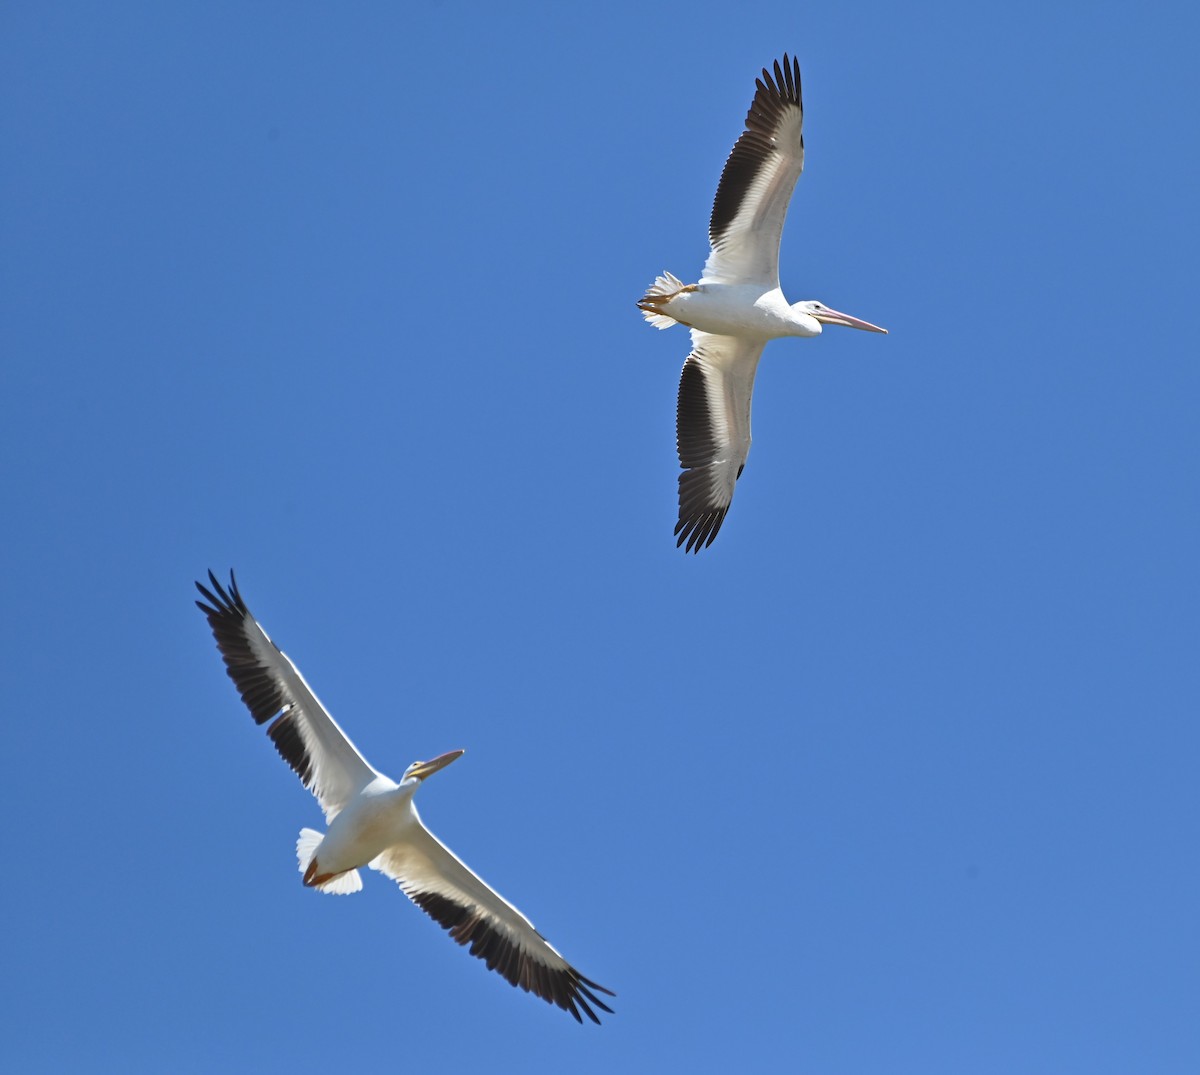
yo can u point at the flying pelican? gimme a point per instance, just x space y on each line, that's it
737 306
372 821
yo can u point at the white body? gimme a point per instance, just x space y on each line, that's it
372 820
750 311
737 306
381 814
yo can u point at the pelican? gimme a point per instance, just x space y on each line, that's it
737 306
372 821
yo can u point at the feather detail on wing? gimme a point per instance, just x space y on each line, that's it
476 915
712 431
757 182
304 733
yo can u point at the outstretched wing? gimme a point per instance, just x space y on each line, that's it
712 426
433 877
304 733
756 185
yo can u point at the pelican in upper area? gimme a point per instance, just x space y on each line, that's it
372 821
737 306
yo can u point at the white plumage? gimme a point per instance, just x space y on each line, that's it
372 821
737 306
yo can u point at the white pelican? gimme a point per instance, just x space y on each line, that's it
372 821
737 306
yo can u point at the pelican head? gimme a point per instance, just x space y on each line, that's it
822 314
419 770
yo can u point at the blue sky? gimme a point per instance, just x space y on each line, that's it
899 775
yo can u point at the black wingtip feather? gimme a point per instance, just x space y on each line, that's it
567 988
696 444
262 694
697 528
774 95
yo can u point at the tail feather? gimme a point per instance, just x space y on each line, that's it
664 288
342 884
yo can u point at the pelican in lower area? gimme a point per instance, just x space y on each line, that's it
737 306
372 821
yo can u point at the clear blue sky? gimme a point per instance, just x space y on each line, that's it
901 775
